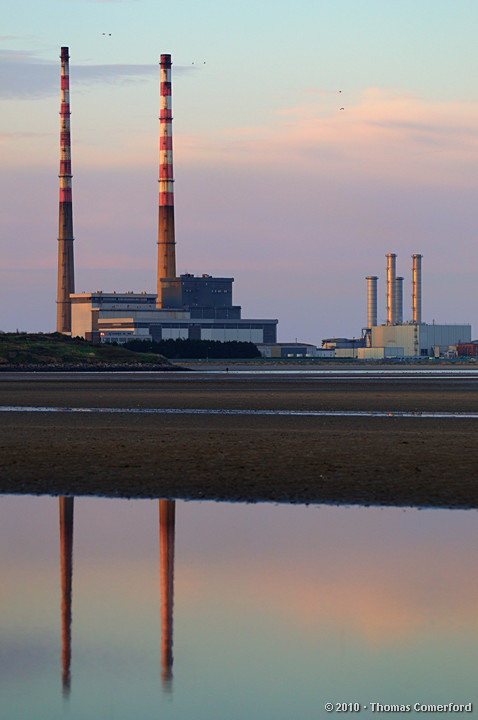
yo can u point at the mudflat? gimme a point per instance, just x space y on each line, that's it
409 461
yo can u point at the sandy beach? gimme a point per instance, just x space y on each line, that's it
281 458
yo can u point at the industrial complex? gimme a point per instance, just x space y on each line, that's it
201 307
184 306
396 338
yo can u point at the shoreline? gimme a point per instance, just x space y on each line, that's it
419 462
188 364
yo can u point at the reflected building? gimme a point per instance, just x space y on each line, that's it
66 559
167 515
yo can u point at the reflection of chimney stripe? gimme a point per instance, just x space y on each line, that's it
167 516
66 559
66 282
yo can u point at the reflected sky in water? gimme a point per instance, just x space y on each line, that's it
256 611
207 411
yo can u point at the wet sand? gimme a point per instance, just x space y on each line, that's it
371 460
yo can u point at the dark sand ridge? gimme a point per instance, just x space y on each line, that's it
387 461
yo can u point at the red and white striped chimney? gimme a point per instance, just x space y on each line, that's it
166 239
66 272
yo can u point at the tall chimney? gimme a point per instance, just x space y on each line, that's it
391 293
166 241
417 288
399 301
66 272
372 301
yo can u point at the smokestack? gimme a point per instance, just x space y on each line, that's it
391 292
166 241
66 272
371 301
417 288
399 300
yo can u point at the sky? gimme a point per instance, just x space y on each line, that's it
310 140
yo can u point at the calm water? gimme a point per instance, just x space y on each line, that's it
232 611
206 372
204 411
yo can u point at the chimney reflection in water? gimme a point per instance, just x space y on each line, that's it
167 512
66 545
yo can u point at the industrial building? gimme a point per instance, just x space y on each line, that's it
399 339
468 349
119 317
291 350
185 306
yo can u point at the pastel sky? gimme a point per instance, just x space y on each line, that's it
276 184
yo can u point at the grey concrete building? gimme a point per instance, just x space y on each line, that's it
194 307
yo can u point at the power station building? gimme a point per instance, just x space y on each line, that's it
398 339
185 306
119 317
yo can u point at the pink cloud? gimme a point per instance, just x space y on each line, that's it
388 134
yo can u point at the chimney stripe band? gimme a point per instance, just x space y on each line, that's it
166 192
166 235
66 275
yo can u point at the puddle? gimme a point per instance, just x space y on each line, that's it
117 609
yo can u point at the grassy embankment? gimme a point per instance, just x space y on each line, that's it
19 350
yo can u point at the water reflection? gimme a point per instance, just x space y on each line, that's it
277 609
167 516
441 414
66 561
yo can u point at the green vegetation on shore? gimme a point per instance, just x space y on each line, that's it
55 349
196 349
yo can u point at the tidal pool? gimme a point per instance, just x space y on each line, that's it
232 611
208 411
